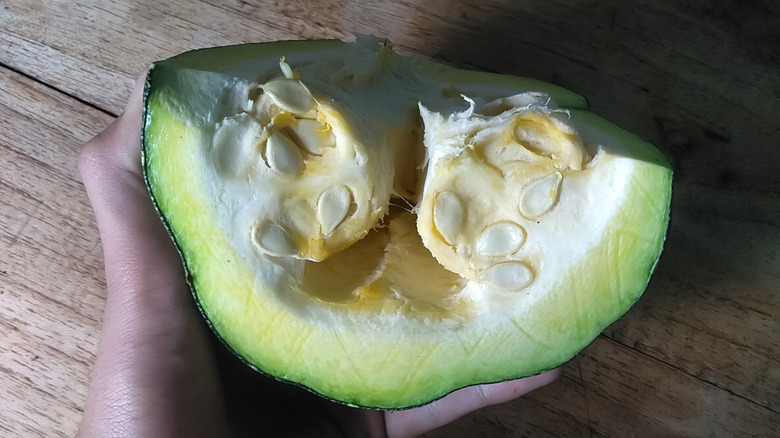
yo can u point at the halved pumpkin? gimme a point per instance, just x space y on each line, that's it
384 230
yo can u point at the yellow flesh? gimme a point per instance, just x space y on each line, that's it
487 177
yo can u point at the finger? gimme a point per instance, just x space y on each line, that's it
119 145
136 100
416 421
110 166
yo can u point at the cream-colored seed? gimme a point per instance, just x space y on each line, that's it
540 196
282 154
230 160
501 239
572 154
287 71
333 207
235 144
273 240
508 275
289 94
448 215
313 136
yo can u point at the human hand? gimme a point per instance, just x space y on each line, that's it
159 371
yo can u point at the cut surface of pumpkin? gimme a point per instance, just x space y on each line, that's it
384 230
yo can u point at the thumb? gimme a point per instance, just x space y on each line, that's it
415 421
110 163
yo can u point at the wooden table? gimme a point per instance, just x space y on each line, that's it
698 355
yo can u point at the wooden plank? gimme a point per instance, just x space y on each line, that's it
662 402
50 216
51 283
45 248
42 119
43 388
712 306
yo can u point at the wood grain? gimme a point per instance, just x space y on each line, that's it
51 293
696 356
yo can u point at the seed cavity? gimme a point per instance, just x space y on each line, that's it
550 136
333 206
314 137
540 196
448 215
508 275
289 94
532 132
506 156
501 239
273 240
282 154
